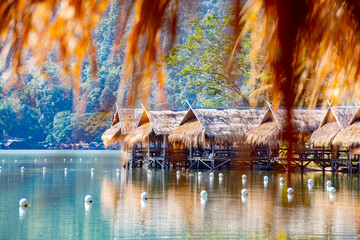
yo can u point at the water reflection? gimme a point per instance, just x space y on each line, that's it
181 207
175 208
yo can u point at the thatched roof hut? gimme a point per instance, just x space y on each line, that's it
123 121
335 119
304 121
154 123
199 126
350 136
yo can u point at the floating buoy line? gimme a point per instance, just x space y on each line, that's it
24 203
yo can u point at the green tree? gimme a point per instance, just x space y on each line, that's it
205 61
62 129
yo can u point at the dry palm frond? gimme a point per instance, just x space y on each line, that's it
308 47
40 26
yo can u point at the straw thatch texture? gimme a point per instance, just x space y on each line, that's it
164 121
344 115
222 125
109 133
336 119
325 135
304 121
124 120
266 133
349 136
139 134
158 122
187 133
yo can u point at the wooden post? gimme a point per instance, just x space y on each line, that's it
268 156
213 154
190 150
164 143
350 162
148 149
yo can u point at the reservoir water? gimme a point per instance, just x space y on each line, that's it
174 208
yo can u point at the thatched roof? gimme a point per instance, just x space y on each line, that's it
124 120
156 122
335 120
350 136
200 125
110 133
304 121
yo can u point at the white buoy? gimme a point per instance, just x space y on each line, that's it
221 176
3 160
290 190
243 182
244 198
282 179
87 206
95 159
80 159
45 160
266 184
328 183
199 174
332 190
93 170
22 213
244 192
266 178
22 169
66 170
64 159
144 196
243 176
15 160
204 194
44 169
70 159
178 173
88 199
211 175
35 160
290 197
149 172
332 196
310 181
23 202
118 170
144 202
0 168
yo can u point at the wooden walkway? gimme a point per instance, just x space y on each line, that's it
243 158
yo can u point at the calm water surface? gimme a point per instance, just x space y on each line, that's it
174 209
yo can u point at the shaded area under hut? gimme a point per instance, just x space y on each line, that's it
214 137
149 139
266 138
123 121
